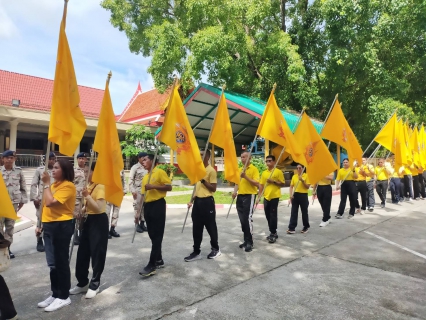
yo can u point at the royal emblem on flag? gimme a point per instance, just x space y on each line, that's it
310 152
182 138
281 131
344 135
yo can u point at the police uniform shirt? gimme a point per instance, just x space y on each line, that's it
15 184
200 189
37 184
246 187
137 173
79 180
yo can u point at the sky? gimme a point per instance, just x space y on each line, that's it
29 31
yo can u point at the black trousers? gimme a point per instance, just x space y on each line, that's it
7 309
57 237
361 189
416 186
271 213
422 186
401 188
371 201
299 200
93 245
155 218
394 187
381 189
204 215
347 189
408 186
325 194
245 205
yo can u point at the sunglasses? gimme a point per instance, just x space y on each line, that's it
268 160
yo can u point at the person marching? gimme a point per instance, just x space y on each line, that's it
416 182
345 183
137 172
80 174
93 240
299 187
361 188
368 170
394 184
17 188
115 211
408 184
272 185
155 211
204 212
37 190
247 191
382 175
422 184
57 228
324 193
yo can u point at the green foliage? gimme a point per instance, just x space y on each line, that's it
259 163
139 139
169 168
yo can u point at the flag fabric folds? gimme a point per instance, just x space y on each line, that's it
319 162
337 129
386 136
422 147
274 127
7 210
67 124
110 160
222 136
178 135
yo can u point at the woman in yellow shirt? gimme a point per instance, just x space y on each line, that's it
58 226
345 182
93 240
299 198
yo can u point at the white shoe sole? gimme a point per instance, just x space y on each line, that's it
78 290
60 307
92 293
218 255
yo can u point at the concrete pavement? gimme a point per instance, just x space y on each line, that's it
369 267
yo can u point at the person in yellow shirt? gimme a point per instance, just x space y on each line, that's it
93 239
299 187
247 191
361 188
204 212
324 192
367 170
153 194
382 174
416 181
394 183
408 184
272 180
58 227
345 182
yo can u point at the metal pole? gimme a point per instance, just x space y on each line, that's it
329 111
46 163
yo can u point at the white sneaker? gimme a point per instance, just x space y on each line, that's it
77 289
323 224
58 304
362 212
91 293
46 302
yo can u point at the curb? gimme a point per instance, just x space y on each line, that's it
25 223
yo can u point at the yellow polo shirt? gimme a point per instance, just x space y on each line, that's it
65 193
159 177
246 187
381 173
368 169
395 173
272 191
414 170
300 186
407 171
360 176
324 181
345 174
97 192
211 177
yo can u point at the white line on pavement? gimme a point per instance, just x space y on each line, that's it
397 245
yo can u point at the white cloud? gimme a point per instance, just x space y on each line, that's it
96 46
7 27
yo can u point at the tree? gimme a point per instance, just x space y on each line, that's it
139 139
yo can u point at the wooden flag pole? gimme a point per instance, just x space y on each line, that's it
204 154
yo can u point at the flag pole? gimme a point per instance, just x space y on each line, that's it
379 132
64 14
329 112
46 163
248 158
205 152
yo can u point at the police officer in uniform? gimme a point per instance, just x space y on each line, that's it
17 188
137 172
115 211
37 191
80 174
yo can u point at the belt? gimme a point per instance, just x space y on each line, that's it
204 197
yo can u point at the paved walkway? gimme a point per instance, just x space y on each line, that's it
369 267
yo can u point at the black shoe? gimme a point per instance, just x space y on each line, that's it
139 229
109 236
243 245
11 255
159 264
113 233
272 238
149 270
40 245
193 256
249 247
214 254
143 227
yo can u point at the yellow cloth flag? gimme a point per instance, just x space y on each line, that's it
67 124
7 209
319 162
406 139
399 147
337 129
178 135
422 147
110 160
414 145
386 136
273 127
222 137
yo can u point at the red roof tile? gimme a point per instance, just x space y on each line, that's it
36 93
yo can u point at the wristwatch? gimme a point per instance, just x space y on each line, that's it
202 181
46 186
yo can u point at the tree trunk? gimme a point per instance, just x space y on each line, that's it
282 9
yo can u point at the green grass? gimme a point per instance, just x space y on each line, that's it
181 188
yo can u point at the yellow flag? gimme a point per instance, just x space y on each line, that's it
7 210
386 136
110 160
319 162
399 147
67 124
337 129
273 127
178 135
222 137
414 145
406 140
422 147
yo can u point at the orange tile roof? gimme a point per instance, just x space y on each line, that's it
36 93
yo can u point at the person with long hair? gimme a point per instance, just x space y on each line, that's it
58 227
93 240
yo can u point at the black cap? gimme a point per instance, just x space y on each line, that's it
52 155
142 154
82 155
9 153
